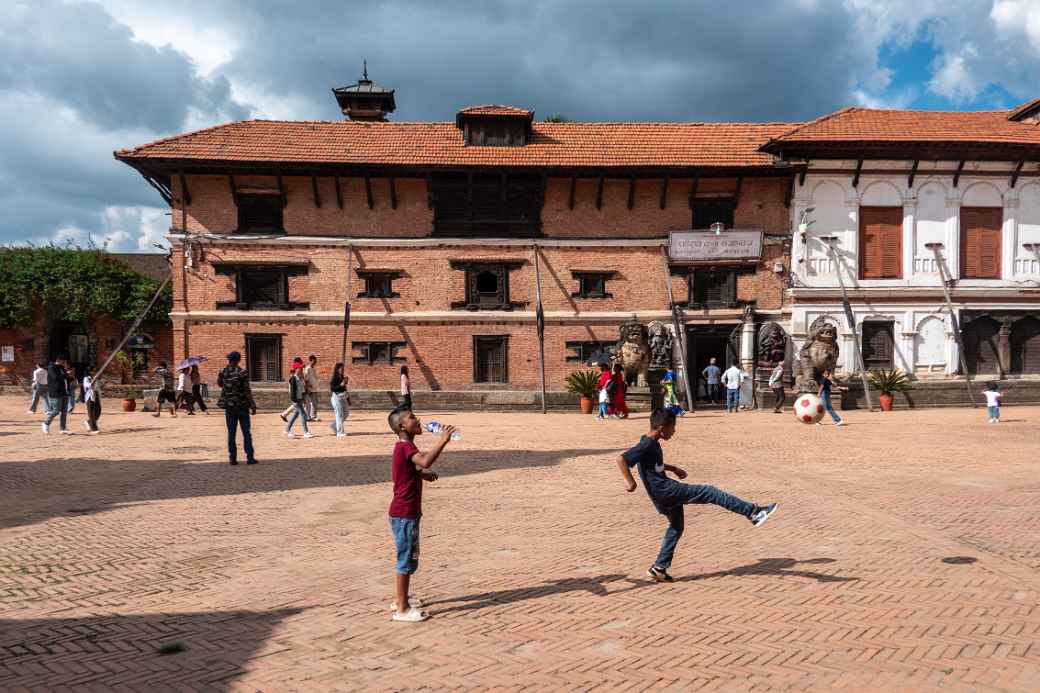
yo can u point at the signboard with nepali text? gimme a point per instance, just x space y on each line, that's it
707 246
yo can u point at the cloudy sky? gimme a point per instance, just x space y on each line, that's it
79 79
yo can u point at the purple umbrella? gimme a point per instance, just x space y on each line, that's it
191 361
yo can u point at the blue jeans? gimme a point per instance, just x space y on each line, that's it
298 413
699 495
339 405
235 418
406 541
59 405
830 408
713 392
993 412
40 392
602 410
732 398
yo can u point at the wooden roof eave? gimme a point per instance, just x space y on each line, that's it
924 150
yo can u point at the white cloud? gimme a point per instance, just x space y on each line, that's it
1018 17
954 79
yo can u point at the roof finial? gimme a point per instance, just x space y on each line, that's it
364 74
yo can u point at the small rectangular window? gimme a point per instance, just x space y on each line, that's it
490 359
580 352
264 357
487 284
372 353
263 286
379 284
708 211
592 284
713 288
260 214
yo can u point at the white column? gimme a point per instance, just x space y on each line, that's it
952 251
909 237
1009 235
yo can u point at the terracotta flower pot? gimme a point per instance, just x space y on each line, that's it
586 405
129 404
885 399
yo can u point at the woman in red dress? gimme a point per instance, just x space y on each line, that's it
618 406
605 378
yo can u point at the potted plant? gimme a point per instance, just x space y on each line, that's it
130 401
583 384
888 381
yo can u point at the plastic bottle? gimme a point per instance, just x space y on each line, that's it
435 428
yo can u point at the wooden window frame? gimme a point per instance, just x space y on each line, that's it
473 268
728 205
504 339
370 276
875 326
250 338
240 271
729 297
964 250
584 277
864 212
483 204
582 350
244 202
367 356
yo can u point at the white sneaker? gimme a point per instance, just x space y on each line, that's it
29 411
45 428
341 435
410 616
308 434
290 434
841 423
66 432
86 425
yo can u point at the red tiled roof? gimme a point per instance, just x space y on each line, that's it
1019 111
889 126
441 144
496 109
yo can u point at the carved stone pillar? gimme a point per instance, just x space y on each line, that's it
1004 347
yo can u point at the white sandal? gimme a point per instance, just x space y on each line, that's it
413 603
411 616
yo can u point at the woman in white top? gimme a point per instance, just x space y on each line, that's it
184 397
92 398
406 389
39 389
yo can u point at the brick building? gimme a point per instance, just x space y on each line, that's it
435 234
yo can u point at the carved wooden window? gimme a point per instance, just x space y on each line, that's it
880 242
591 284
709 287
580 352
708 211
260 213
488 205
487 285
878 344
490 359
980 242
371 353
261 287
379 283
264 357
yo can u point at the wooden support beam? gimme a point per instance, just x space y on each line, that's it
957 175
234 189
801 176
574 186
664 192
631 192
429 191
1014 176
913 174
545 188
393 193
281 190
790 192
599 194
339 192
736 193
693 190
859 169
469 200
368 191
314 192
186 194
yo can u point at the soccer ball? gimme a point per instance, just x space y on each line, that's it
808 408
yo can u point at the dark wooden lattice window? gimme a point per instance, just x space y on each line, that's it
880 242
487 205
372 353
264 357
490 359
580 352
980 242
260 214
487 285
878 344
591 284
379 283
264 287
708 211
712 288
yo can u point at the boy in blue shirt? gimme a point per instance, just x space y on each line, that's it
669 496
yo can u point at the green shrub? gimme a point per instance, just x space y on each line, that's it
889 381
583 383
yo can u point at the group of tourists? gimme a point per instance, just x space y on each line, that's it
186 395
55 384
611 388
303 397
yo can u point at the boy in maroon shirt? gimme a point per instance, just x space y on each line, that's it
410 468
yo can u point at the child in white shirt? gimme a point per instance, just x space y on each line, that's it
993 397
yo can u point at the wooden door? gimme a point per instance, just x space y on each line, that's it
981 351
1025 346
980 242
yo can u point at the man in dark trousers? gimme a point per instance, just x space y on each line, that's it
58 389
237 400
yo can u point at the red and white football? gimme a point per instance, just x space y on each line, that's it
808 408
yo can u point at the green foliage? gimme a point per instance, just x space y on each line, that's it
557 118
889 381
75 285
583 383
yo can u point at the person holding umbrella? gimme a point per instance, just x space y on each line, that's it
196 388
194 381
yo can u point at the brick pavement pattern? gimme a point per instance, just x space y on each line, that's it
905 556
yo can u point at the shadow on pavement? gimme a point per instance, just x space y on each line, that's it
38 490
103 652
597 585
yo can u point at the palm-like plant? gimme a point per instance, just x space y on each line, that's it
583 383
889 380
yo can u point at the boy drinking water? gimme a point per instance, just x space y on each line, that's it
993 396
669 496
410 468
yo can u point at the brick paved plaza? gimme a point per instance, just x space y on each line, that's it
905 556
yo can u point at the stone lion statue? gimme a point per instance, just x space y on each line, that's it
819 353
633 351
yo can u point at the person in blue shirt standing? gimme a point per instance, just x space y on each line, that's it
826 384
669 496
712 377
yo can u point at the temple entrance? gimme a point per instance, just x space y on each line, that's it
704 342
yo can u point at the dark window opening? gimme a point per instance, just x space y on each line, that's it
264 357
263 287
712 288
260 214
583 351
490 359
708 211
379 284
878 344
592 284
487 205
487 285
371 353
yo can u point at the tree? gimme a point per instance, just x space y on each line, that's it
557 118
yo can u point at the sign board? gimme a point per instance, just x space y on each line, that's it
705 246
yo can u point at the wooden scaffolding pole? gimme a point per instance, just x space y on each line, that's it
540 320
346 304
680 334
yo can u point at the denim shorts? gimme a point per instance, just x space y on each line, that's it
993 412
406 538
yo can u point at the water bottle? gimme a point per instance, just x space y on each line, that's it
435 427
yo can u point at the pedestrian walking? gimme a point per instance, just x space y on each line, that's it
292 407
196 389
669 496
166 393
618 404
70 375
58 390
296 397
732 379
39 389
605 389
340 399
826 384
92 400
184 398
712 374
236 398
310 387
406 389
776 384
993 397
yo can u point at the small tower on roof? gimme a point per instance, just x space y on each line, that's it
365 100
